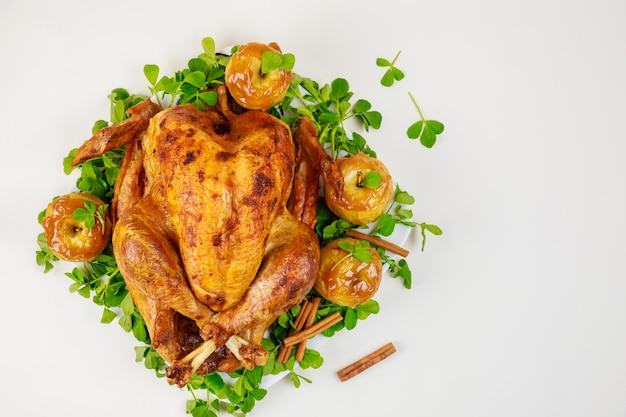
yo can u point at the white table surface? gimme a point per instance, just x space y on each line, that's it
519 309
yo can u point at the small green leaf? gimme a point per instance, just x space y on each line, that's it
361 106
339 89
127 305
415 130
196 78
126 322
387 79
424 130
398 75
208 46
196 64
107 316
404 272
436 126
208 97
382 62
386 224
372 180
140 352
98 124
270 61
434 229
392 74
139 329
151 72
289 61
83 216
350 319
403 197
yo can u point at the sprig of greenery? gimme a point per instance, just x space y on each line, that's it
44 256
120 101
425 130
372 180
396 213
90 214
237 399
329 107
359 250
431 228
398 268
192 84
392 73
271 61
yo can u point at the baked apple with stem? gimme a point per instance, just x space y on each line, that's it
367 191
77 226
253 86
350 272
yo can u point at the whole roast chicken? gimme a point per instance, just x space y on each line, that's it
202 234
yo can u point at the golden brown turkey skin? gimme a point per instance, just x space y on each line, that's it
284 279
221 182
203 238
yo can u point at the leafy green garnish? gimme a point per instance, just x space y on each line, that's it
90 214
44 256
359 250
372 179
192 84
398 269
393 73
424 130
271 61
329 107
431 228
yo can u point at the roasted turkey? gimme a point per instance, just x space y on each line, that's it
202 235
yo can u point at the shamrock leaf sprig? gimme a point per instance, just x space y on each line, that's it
191 84
44 256
329 107
372 179
397 213
392 74
271 61
359 250
425 130
90 214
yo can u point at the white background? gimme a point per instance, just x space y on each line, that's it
519 309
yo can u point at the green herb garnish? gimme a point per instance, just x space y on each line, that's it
271 61
424 130
393 73
91 214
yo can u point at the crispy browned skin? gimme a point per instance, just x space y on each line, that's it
312 161
120 134
221 183
285 277
192 241
203 237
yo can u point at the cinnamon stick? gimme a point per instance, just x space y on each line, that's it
366 362
299 322
381 243
309 322
317 328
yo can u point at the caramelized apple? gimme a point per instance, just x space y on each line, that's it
345 280
71 239
248 85
360 204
